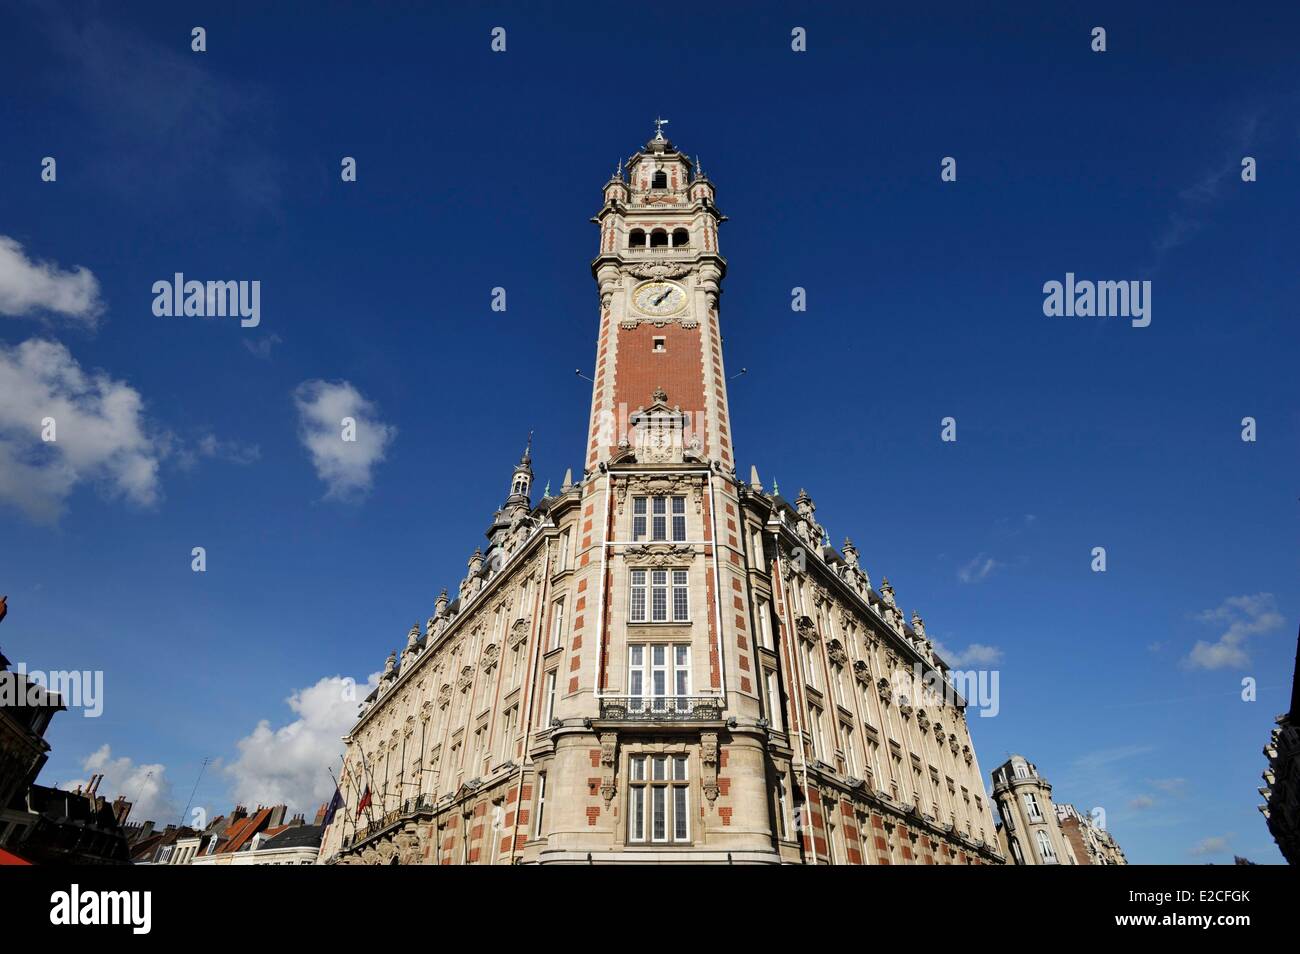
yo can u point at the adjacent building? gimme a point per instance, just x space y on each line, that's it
662 662
1035 831
1091 843
1281 788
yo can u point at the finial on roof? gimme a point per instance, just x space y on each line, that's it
754 482
659 129
546 491
699 169
660 395
568 481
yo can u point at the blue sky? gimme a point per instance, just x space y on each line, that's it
478 170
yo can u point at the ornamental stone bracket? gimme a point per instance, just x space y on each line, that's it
608 761
465 679
862 673
657 554
491 656
658 269
806 628
518 632
835 651
709 765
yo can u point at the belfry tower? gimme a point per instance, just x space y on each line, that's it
660 274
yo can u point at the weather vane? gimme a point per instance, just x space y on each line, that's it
659 128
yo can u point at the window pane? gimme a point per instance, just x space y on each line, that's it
636 820
660 504
681 604
659 604
636 686
659 822
660 768
679 813
638 654
638 768
659 682
657 655
679 768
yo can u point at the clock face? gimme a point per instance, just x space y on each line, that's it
659 298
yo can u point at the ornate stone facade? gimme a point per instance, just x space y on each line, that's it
663 663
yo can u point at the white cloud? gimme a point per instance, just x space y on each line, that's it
1141 803
1171 786
145 785
978 569
289 765
29 288
345 466
1214 845
976 654
1246 616
101 435
262 347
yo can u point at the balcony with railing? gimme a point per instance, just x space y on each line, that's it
661 709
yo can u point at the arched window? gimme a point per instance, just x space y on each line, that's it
636 238
659 238
660 180
681 237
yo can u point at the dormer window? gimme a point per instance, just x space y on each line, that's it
659 180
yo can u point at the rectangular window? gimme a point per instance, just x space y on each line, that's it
564 551
1031 805
557 623
659 596
540 810
850 763
815 730
772 700
636 612
659 670
679 518
638 518
508 733
764 623
548 709
658 799
658 518
681 597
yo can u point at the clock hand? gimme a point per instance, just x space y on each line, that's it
662 297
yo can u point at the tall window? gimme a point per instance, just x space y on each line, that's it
815 730
516 657
539 806
548 708
666 516
809 670
653 592
508 733
764 623
659 669
658 799
850 763
1031 806
557 623
772 699
659 180
1045 848
564 551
